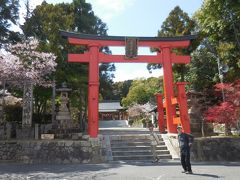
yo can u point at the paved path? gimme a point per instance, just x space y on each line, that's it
120 171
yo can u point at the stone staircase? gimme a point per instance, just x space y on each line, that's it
113 123
136 147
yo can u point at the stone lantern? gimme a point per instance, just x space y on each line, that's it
63 116
197 105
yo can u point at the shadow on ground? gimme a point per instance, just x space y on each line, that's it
55 168
71 168
206 175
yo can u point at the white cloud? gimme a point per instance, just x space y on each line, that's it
35 3
22 10
107 9
124 74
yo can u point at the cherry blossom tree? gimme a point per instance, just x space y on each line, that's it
23 62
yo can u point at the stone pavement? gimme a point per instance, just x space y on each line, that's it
165 170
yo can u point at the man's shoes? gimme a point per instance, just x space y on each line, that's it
184 171
189 172
156 160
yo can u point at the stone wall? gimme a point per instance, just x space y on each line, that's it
216 149
211 148
53 151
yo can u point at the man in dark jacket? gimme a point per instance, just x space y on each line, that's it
185 142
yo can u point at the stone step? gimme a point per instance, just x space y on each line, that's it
136 147
125 131
130 137
113 123
131 144
124 148
146 138
130 141
138 152
138 143
131 153
140 157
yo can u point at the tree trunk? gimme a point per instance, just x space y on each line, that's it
182 73
227 129
202 128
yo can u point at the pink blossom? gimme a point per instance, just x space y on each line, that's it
23 62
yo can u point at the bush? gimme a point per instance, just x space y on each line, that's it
130 122
144 122
13 113
42 118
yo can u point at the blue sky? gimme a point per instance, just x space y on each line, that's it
134 18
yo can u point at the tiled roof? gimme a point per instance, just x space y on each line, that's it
69 34
110 106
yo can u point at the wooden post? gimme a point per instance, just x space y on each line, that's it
168 88
183 107
93 91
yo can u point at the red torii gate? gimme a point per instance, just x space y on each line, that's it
165 57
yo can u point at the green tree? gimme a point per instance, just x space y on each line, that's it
224 20
45 22
8 14
178 23
142 91
222 29
106 82
203 70
84 21
121 89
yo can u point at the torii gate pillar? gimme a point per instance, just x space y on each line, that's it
93 90
168 88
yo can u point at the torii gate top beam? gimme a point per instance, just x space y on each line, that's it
102 41
155 42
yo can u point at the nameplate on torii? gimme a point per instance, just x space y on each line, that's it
131 47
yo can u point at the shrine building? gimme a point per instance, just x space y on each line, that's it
112 110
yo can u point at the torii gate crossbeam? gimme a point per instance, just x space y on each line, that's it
165 57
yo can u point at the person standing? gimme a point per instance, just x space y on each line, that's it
185 143
154 142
